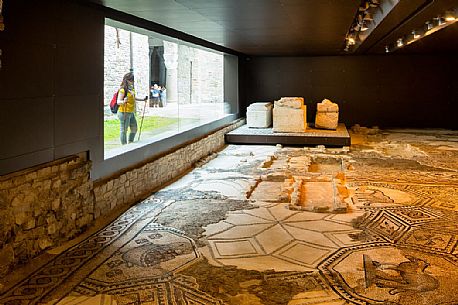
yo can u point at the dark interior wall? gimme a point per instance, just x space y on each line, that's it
51 85
231 84
51 82
384 91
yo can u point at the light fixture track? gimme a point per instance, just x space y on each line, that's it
419 9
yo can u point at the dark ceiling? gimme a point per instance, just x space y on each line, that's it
292 27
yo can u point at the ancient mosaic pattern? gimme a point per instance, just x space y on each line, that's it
226 234
274 237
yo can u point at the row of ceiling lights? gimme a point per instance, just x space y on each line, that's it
361 22
430 26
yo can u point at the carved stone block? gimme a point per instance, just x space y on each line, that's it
289 115
259 115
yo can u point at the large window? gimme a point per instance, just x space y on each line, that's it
184 84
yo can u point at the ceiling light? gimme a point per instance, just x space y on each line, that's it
364 7
429 25
351 39
439 20
363 26
368 16
450 16
374 3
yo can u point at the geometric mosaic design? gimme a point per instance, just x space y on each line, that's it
149 258
387 225
416 216
201 241
40 283
273 236
180 290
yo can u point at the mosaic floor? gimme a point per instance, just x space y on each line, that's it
229 233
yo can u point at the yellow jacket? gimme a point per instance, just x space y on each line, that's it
129 106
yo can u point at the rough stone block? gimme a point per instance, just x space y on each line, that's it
7 259
44 243
327 115
22 217
327 106
290 102
30 224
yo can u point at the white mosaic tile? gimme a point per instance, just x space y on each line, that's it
316 238
321 226
274 238
261 213
281 211
303 253
245 219
242 231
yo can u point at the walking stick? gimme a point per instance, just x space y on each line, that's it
141 122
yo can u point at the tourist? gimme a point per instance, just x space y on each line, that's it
126 111
155 96
163 97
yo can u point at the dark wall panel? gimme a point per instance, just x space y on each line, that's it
27 126
77 118
231 85
29 19
51 82
386 91
78 71
27 70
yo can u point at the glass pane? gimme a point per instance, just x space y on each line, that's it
183 84
200 86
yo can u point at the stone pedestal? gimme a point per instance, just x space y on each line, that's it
327 115
289 115
259 115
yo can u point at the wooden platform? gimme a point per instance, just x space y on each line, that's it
312 136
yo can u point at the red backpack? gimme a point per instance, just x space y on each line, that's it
114 103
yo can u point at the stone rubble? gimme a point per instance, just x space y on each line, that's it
314 181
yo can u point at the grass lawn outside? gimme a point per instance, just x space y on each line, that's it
151 123
151 128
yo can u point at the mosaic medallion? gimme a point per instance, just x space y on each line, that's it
384 274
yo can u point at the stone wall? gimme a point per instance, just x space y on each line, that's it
210 76
185 57
44 206
141 61
117 62
131 186
200 76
